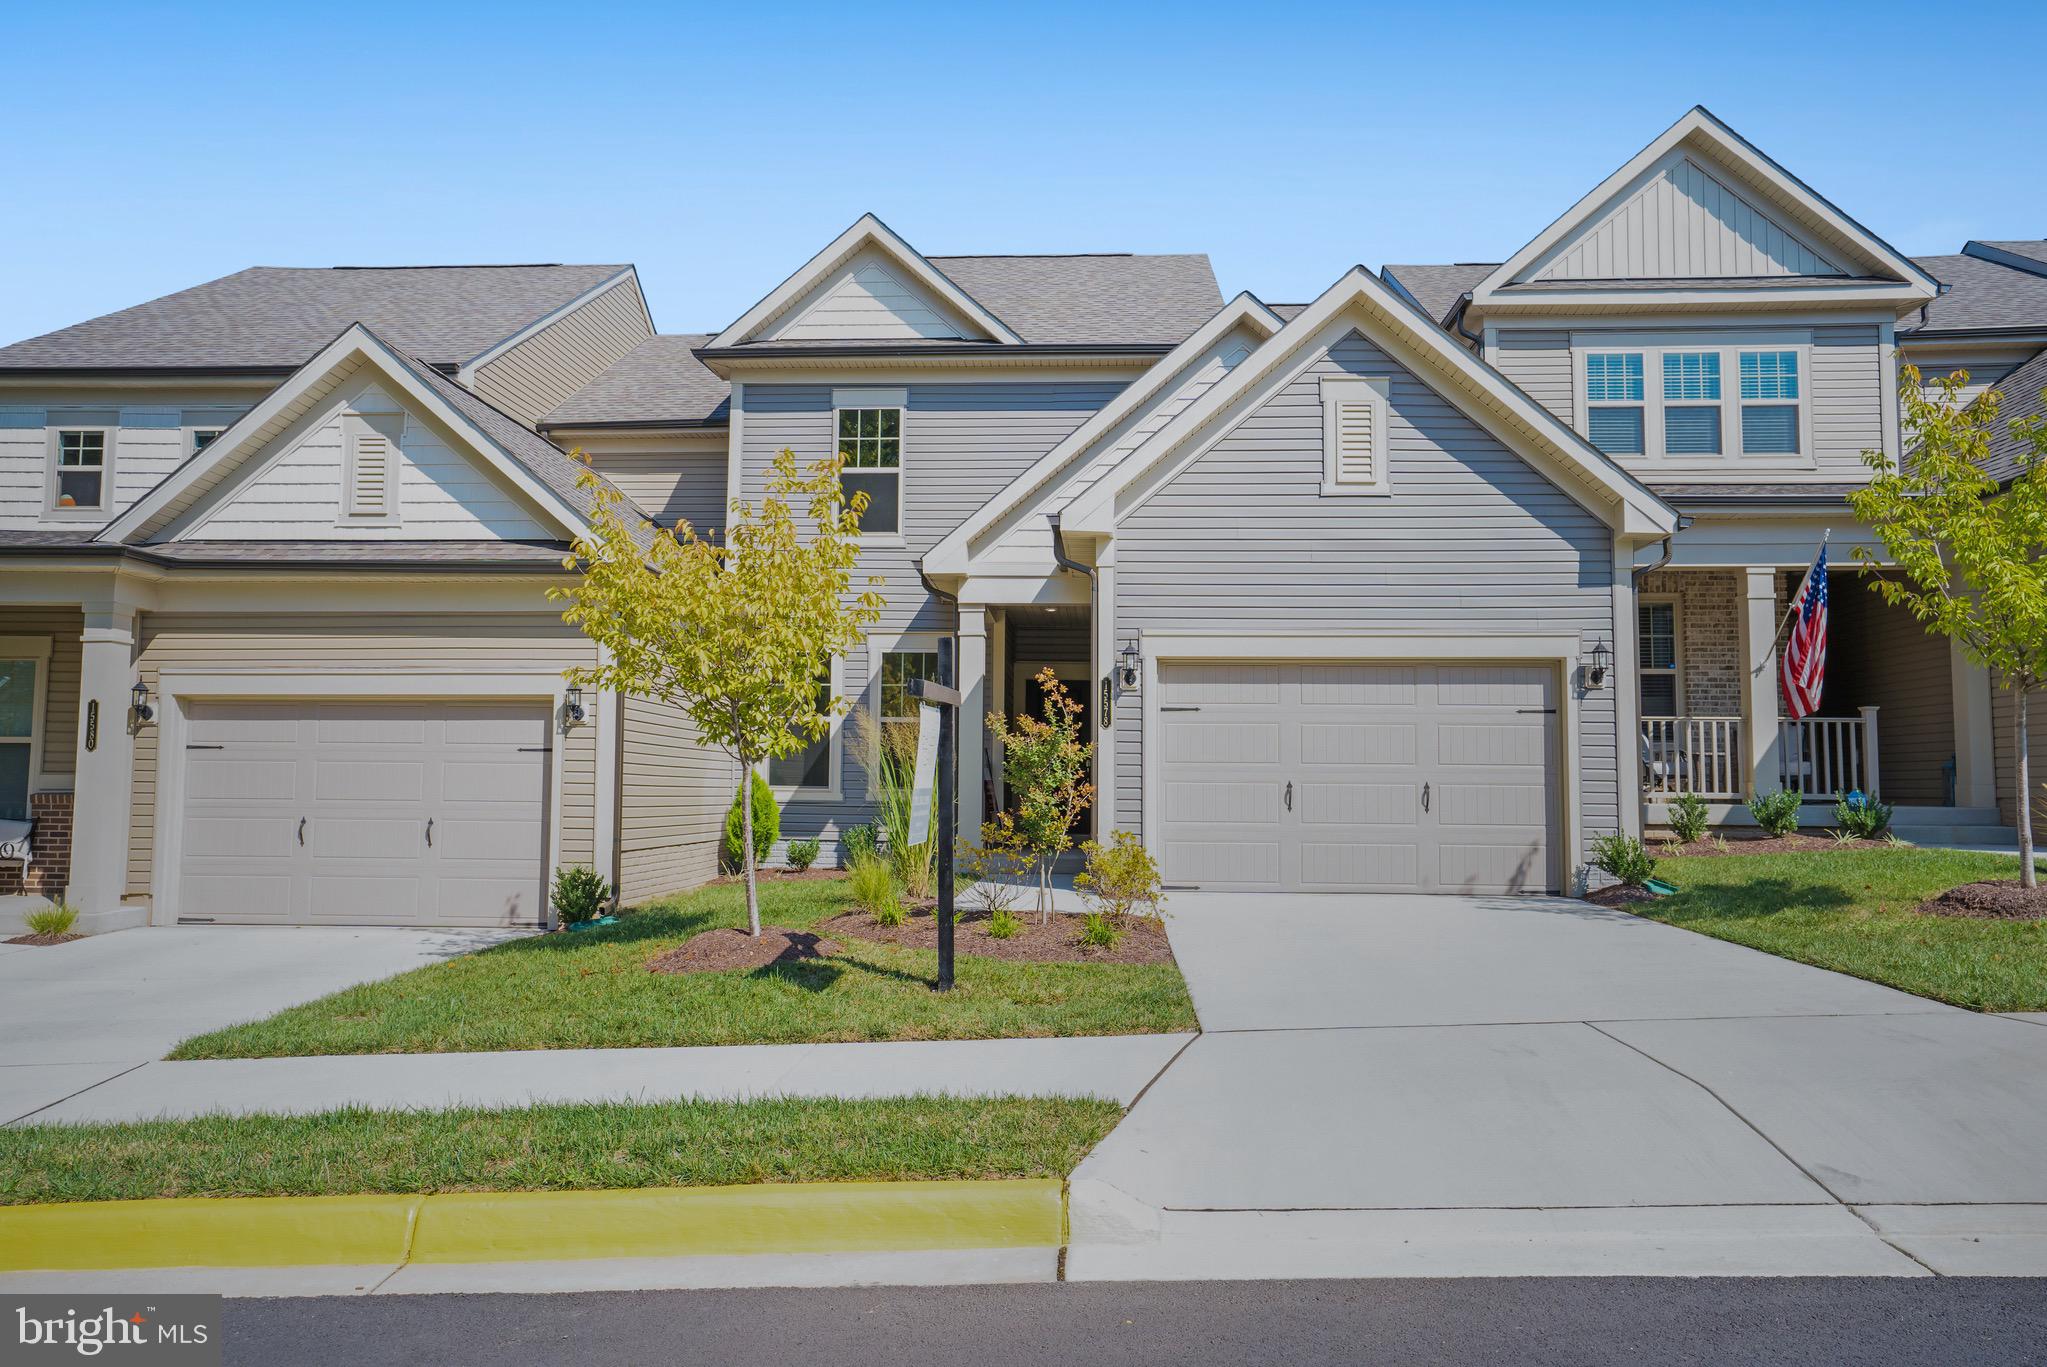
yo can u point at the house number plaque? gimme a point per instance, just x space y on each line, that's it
92 724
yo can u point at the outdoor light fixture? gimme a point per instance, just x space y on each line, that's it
1130 660
572 708
143 711
1595 672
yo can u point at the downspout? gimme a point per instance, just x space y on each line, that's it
1457 323
1643 571
1067 562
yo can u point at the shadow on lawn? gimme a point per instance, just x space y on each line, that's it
632 927
1755 900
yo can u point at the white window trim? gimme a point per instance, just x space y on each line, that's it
35 648
110 441
1677 648
1342 389
898 399
1729 345
923 642
189 435
834 753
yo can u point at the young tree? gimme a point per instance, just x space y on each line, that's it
1045 763
736 633
1969 547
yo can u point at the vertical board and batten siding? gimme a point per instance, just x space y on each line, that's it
673 483
673 793
532 378
962 444
1471 540
2003 711
1879 656
65 628
149 440
385 644
1539 360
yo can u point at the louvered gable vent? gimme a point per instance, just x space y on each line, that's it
1356 458
372 473
1354 436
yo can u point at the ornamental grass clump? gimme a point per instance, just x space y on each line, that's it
872 886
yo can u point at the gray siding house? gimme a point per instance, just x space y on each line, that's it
1421 585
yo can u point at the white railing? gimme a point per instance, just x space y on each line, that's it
1819 757
1692 755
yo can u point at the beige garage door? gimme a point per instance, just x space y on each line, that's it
338 813
1343 777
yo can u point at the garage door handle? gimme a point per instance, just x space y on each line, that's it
1425 797
429 832
302 830
1289 795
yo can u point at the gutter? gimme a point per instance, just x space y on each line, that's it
138 555
1457 323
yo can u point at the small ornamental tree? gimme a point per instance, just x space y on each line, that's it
734 633
1045 764
1972 551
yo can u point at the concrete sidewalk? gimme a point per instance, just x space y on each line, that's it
1113 1067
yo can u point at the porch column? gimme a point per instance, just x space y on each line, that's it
1975 738
998 695
1759 680
973 722
1102 654
105 776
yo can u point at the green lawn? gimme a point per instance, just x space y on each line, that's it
552 1148
1851 911
592 990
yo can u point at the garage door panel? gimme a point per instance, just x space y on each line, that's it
487 901
244 780
1492 868
229 896
1225 863
1224 803
1248 684
1520 808
467 780
1493 746
506 841
243 723
1359 804
1222 742
493 726
1354 743
241 837
1379 865
357 898
383 781
369 725
1499 686
366 837
1359 685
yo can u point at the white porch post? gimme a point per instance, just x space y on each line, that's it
1759 680
105 777
1103 657
973 724
1975 737
1627 710
998 697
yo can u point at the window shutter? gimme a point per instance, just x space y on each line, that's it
1357 454
369 493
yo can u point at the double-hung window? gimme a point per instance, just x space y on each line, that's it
1615 401
899 669
1769 403
78 475
871 447
810 767
1691 403
23 663
1656 649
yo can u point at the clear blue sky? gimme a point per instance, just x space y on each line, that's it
153 147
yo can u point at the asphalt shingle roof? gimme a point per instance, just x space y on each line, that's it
2033 249
2022 399
276 317
1981 294
1082 300
660 380
1438 288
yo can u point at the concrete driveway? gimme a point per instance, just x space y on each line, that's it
1477 1086
74 1015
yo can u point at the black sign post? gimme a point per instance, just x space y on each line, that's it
942 694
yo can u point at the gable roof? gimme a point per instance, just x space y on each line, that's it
272 318
1488 397
1435 290
536 467
1099 298
1980 294
1820 244
2022 399
2025 255
659 383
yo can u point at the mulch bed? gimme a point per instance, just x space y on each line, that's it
1143 942
1619 895
719 951
1761 844
809 875
45 939
1996 899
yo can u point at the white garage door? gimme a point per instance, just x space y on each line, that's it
337 813
1343 777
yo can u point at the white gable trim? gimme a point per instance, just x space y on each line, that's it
953 555
868 232
1813 214
1362 302
354 349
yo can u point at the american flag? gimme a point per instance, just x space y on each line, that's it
1804 667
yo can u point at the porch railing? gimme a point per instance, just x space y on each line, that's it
1817 757
1700 755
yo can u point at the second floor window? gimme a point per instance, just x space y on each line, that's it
1769 403
871 445
1691 403
81 470
1614 401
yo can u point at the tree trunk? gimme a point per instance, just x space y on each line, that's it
2029 877
1044 891
753 901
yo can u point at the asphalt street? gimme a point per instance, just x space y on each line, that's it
1643 1322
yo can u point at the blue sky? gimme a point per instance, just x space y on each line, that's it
718 147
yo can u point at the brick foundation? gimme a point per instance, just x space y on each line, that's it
50 872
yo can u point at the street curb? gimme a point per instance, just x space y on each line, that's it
475 1227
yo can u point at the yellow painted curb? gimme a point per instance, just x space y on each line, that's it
274 1231
468 1227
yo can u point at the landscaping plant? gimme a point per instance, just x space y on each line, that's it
889 754
1003 925
763 824
855 841
1776 813
54 919
1624 857
733 631
1121 878
872 885
1861 817
803 853
1971 548
1098 931
1688 817
993 871
579 894
1045 768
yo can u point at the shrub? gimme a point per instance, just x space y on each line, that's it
1776 813
1624 858
1003 924
855 841
872 886
1045 768
1688 817
767 826
1861 817
1121 877
993 871
1098 931
54 919
803 853
579 894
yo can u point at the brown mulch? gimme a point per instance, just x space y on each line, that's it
1618 895
1995 899
810 875
718 951
45 939
1761 844
1143 942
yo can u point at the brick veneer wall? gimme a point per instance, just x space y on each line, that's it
50 871
1709 632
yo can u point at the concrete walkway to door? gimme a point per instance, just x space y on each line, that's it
1402 1085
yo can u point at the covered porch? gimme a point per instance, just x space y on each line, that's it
1004 650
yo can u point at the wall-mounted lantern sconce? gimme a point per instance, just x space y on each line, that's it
1595 669
142 711
1128 661
572 708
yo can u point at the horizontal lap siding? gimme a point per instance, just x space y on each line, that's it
365 644
685 485
1539 360
2003 712
1472 540
1849 392
533 378
1879 656
64 627
673 793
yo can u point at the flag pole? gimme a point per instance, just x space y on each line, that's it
1792 611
